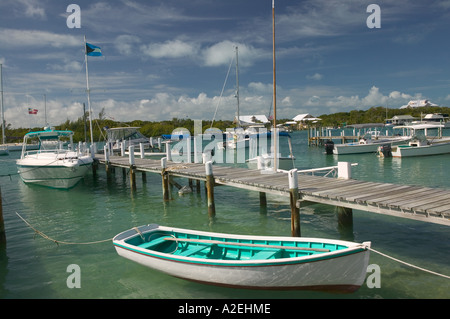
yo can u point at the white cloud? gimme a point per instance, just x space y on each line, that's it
223 52
170 49
315 76
33 38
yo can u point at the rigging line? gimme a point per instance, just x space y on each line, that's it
221 93
410 265
59 241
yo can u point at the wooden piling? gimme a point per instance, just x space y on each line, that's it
210 189
262 203
295 211
2 223
132 167
107 165
165 178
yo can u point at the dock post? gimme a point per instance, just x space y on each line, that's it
165 178
295 211
141 148
107 166
94 166
122 148
168 152
262 203
344 170
210 189
2 224
132 167
345 215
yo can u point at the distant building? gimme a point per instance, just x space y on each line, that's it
400 119
246 120
418 103
304 120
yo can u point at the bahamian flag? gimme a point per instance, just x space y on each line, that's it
92 50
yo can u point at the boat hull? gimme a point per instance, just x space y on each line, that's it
339 271
58 174
372 147
410 151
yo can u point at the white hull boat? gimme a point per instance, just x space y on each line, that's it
242 261
367 146
420 144
51 165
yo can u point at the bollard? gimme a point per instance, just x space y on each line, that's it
210 189
295 211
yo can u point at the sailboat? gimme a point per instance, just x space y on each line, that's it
273 159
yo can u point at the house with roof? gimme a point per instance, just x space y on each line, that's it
304 120
418 103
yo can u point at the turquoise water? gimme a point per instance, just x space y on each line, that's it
98 208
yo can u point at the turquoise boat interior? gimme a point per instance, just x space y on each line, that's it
209 247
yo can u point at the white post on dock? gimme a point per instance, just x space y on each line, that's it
122 148
106 154
210 189
293 194
344 170
132 167
168 152
141 148
165 178
188 150
197 149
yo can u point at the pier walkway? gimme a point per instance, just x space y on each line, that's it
418 203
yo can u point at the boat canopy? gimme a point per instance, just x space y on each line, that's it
420 126
49 134
124 133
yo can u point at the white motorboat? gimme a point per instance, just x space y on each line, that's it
420 144
51 164
368 144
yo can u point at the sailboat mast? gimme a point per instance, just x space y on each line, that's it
238 123
3 114
88 91
275 151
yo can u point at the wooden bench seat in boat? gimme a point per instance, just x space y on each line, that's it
191 251
152 243
265 254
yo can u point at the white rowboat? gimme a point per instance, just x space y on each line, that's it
242 261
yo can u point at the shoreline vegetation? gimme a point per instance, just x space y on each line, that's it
157 128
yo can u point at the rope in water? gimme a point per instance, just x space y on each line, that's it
410 265
59 241
110 239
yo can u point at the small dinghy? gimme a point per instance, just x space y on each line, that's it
256 262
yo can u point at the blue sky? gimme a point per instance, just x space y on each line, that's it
165 59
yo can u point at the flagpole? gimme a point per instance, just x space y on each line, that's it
275 152
88 91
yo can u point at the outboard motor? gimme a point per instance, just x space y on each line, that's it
329 146
385 150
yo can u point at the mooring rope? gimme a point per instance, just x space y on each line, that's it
410 265
110 239
60 241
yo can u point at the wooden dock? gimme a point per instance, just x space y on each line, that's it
418 203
